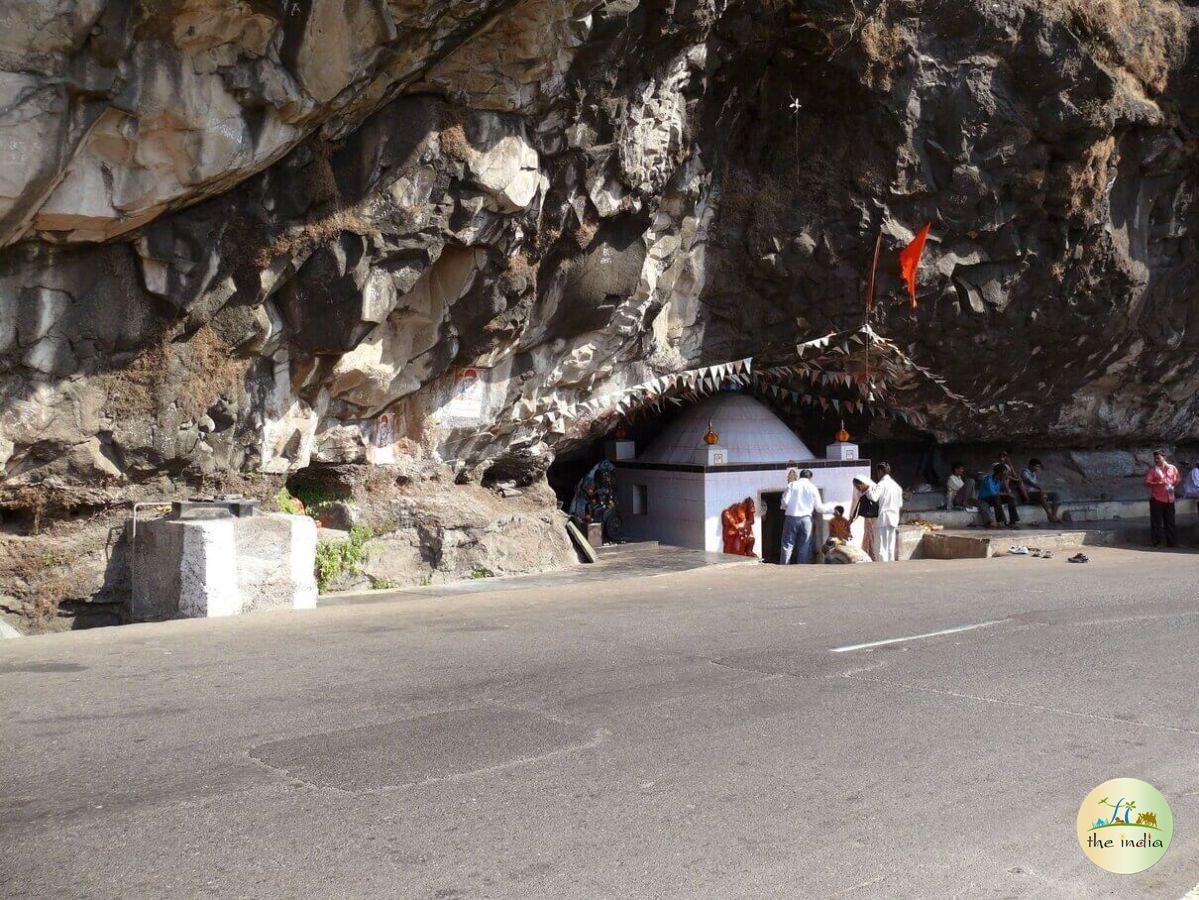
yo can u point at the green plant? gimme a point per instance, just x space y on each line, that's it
316 498
287 503
480 572
335 558
382 584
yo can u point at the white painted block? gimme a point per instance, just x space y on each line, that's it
303 555
204 568
712 456
841 451
208 570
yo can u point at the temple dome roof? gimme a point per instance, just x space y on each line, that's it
748 430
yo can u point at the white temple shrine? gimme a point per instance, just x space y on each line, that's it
725 449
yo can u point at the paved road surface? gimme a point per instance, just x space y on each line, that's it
685 735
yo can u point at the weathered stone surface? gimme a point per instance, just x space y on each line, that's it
455 536
203 568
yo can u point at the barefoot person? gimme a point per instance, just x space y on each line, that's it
1163 480
866 509
889 496
1034 493
959 488
993 496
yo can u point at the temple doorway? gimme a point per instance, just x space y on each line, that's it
772 525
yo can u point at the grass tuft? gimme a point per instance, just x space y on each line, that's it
341 557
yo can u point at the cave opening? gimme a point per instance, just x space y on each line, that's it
319 486
573 461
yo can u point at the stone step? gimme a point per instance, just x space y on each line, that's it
910 538
979 543
924 501
1072 511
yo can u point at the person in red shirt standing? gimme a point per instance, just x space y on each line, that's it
1163 479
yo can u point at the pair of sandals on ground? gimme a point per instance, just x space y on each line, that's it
1045 554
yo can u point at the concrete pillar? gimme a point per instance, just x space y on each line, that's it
203 568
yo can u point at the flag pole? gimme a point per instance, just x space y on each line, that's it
878 246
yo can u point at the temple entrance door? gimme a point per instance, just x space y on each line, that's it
772 525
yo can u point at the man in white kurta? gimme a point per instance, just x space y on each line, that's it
889 496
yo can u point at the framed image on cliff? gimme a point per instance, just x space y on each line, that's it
467 394
385 430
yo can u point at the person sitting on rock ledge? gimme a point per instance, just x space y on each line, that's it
1033 493
993 495
1011 482
959 489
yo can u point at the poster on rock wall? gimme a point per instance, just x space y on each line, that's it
383 438
468 394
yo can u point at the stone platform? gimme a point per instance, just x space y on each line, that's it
208 567
1073 511
980 543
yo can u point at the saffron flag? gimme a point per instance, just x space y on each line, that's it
909 260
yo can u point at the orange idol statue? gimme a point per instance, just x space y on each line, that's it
738 527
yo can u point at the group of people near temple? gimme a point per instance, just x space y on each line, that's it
877 503
995 496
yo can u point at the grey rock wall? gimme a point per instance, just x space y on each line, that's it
237 233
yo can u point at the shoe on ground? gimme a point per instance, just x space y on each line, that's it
971 509
1018 551
1079 558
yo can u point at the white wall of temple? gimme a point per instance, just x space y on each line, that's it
674 508
683 508
722 489
836 484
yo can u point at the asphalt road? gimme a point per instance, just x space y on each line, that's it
684 735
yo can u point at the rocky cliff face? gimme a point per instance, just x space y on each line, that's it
236 233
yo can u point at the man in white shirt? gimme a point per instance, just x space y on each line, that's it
959 489
889 496
800 500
